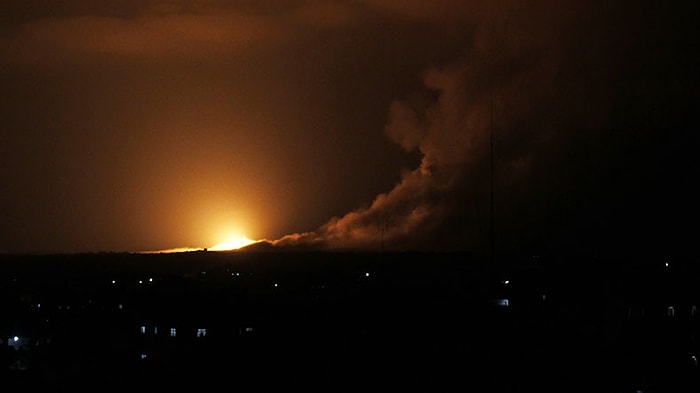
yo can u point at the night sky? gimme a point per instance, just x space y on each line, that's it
358 124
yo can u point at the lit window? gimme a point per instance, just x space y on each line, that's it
155 330
201 332
501 302
670 311
693 311
143 329
173 332
144 356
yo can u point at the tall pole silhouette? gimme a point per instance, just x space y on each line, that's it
382 225
492 234
382 237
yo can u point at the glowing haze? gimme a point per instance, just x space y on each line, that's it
355 124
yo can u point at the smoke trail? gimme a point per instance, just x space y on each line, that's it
446 125
444 202
578 119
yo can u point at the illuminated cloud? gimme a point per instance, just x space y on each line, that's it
327 15
444 11
145 36
168 30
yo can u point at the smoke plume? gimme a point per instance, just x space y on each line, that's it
550 85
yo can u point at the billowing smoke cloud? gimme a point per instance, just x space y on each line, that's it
552 82
444 203
446 124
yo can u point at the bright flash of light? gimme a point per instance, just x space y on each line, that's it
232 243
172 251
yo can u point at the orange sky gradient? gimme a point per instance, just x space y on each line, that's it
362 124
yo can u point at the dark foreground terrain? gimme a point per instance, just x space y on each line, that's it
348 322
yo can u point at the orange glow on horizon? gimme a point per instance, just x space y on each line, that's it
229 240
230 244
172 250
233 243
